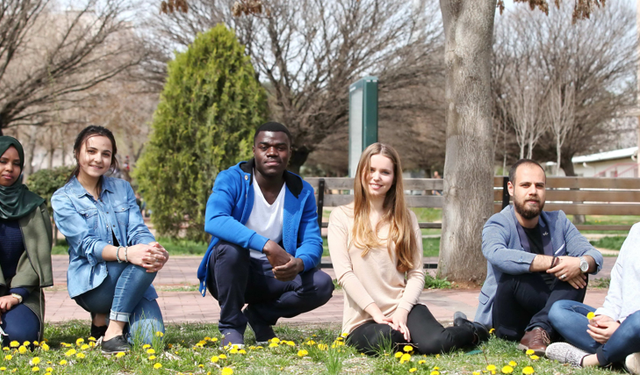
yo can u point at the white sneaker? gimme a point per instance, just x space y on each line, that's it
633 363
566 353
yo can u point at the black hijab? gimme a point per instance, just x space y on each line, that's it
16 200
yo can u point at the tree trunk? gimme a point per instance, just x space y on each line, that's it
567 167
297 159
468 168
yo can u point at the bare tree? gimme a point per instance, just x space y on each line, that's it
49 54
308 52
561 112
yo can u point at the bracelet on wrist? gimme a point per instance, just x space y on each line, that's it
118 254
17 296
553 262
126 258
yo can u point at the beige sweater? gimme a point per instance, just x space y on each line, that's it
373 278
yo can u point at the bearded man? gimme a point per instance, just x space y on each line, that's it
534 258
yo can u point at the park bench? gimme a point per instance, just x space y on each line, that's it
573 195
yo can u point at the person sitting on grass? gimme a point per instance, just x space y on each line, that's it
113 257
376 250
265 245
611 333
25 250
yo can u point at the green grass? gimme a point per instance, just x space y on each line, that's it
191 348
431 282
175 246
611 243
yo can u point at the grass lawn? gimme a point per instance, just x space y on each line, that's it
193 348
611 243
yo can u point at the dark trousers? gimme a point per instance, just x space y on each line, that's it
235 279
522 302
20 324
427 335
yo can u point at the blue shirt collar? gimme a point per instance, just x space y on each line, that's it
77 189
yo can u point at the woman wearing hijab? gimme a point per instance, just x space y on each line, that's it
25 250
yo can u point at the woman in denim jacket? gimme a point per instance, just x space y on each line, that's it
113 258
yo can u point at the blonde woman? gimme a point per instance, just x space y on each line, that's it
376 250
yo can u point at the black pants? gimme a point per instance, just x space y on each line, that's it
427 335
235 279
523 302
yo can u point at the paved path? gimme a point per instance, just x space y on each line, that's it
189 306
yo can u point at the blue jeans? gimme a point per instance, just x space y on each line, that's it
122 295
235 279
569 318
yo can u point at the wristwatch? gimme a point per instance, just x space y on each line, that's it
17 296
584 265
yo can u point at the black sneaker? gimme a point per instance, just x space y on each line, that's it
480 331
97 332
262 330
117 344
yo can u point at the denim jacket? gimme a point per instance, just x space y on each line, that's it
88 225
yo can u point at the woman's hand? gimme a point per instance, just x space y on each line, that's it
7 302
152 256
399 322
602 327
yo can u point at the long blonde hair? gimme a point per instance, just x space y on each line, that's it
396 212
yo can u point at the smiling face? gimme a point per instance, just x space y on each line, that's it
528 192
380 177
10 167
94 158
271 151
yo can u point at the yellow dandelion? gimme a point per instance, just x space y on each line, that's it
242 351
44 346
437 355
434 372
344 334
413 369
22 349
35 343
405 357
528 370
534 357
214 339
222 356
291 343
157 366
233 351
70 352
49 369
323 346
310 343
80 355
152 357
507 370
513 363
226 371
159 334
6 349
84 347
35 369
91 338
492 330
436 368
476 373
302 353
35 360
79 341
26 343
215 359
151 351
121 354
14 344
273 345
422 362
62 362
146 346
275 339
491 367
201 365
8 357
3 368
398 354
407 348
529 352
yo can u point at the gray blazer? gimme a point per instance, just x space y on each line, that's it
505 254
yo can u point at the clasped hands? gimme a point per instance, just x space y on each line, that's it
285 266
567 269
150 256
601 327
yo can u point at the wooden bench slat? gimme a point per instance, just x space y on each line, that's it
433 201
346 183
585 195
603 227
593 183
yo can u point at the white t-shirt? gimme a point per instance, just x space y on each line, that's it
265 218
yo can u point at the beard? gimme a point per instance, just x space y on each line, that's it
526 212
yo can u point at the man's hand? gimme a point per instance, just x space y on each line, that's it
568 269
276 255
602 327
7 302
290 270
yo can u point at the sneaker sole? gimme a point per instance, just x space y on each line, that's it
538 352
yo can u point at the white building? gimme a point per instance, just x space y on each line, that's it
616 163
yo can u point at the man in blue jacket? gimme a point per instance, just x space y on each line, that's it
534 258
266 243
